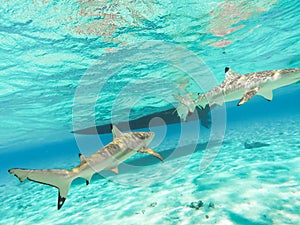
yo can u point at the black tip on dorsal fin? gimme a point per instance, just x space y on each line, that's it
60 202
79 155
87 182
226 69
111 126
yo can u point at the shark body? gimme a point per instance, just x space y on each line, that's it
239 87
109 157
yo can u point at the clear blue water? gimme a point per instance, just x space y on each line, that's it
68 65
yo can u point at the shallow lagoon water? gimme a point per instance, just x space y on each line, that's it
246 186
50 53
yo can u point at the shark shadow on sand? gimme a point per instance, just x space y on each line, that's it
168 116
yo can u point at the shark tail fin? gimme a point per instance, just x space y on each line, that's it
61 179
185 105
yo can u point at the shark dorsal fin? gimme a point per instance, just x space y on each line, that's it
82 158
116 132
230 74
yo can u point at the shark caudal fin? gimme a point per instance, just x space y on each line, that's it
61 179
185 105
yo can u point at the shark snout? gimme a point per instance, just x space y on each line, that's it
148 137
151 134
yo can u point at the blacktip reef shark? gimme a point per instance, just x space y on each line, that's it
240 87
109 157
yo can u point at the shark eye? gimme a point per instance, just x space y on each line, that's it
143 137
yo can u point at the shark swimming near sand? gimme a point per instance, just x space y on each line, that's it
123 146
240 87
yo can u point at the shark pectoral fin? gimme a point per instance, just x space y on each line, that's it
115 170
267 94
151 152
116 132
248 95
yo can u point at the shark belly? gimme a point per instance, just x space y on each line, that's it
234 95
99 164
105 160
270 86
225 96
293 78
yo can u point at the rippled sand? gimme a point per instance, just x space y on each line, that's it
258 185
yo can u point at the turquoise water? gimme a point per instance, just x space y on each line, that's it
69 65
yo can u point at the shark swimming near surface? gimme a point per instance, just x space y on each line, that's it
240 87
109 157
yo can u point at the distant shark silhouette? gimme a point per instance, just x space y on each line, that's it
240 87
168 116
256 144
109 157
